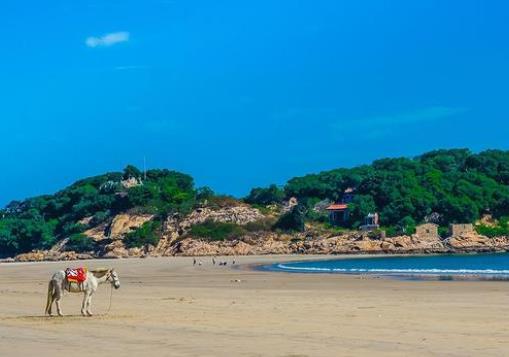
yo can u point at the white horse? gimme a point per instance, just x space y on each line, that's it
59 283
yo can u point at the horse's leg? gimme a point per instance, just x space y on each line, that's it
89 303
84 303
57 296
51 300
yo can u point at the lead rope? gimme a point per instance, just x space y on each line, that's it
111 297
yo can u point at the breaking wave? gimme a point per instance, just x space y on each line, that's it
485 264
394 271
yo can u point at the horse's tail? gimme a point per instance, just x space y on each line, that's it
49 299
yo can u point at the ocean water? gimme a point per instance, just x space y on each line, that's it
492 264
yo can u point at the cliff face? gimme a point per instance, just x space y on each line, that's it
174 240
175 227
118 227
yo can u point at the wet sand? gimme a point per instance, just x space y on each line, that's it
168 307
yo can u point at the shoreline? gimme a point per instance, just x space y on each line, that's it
350 254
414 274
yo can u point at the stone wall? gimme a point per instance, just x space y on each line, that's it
427 231
461 229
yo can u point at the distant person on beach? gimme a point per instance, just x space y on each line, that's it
194 261
213 261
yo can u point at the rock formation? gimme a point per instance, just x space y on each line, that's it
174 241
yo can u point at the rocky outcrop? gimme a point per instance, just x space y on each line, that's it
350 243
125 223
40 255
315 240
98 233
475 242
239 215
118 227
175 227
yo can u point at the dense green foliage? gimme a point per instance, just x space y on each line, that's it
265 196
216 231
447 185
80 243
292 221
456 184
147 234
501 229
37 223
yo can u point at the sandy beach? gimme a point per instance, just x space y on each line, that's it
168 307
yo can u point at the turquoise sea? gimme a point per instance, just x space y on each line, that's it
483 265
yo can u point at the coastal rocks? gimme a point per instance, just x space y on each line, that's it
473 241
41 255
315 240
414 243
115 249
35 256
192 247
358 243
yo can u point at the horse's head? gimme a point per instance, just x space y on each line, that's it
113 278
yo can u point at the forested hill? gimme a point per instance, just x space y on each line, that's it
39 222
443 186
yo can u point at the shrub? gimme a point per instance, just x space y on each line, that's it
265 196
264 224
443 231
99 218
501 229
71 228
216 230
321 217
391 231
204 193
147 234
407 225
223 202
80 243
293 220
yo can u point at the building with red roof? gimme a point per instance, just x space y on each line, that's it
338 212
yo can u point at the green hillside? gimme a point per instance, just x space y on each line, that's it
443 186
39 222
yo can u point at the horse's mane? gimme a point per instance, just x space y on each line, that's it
100 272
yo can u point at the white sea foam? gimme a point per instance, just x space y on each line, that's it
397 271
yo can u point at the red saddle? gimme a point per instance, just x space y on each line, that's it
76 275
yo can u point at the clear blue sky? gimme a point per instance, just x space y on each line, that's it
243 93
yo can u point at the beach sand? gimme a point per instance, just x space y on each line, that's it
168 307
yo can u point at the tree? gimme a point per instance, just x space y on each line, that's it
360 207
147 234
293 220
216 231
265 196
407 225
80 243
131 172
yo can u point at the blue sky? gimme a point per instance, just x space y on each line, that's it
243 93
